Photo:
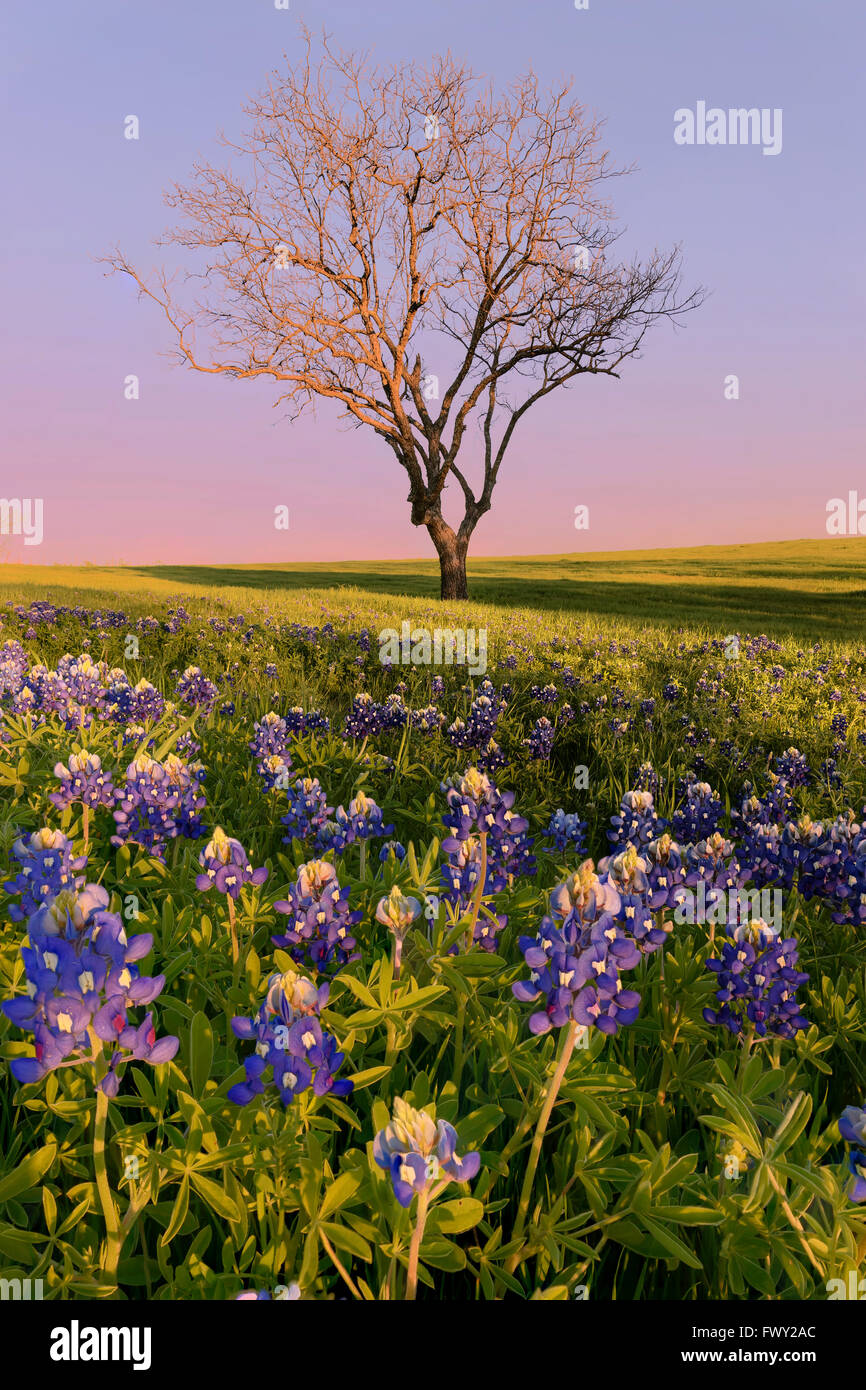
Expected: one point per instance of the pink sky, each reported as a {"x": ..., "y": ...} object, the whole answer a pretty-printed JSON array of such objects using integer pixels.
[{"x": 193, "y": 470}]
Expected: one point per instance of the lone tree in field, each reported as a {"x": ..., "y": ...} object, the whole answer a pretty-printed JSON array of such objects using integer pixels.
[{"x": 375, "y": 215}]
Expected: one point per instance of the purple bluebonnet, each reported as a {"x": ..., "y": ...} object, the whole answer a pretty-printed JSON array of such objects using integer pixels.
[
  {"x": 576, "y": 956},
  {"x": 567, "y": 831},
  {"x": 83, "y": 782},
  {"x": 308, "y": 809},
  {"x": 758, "y": 982},
  {"x": 637, "y": 822},
  {"x": 319, "y": 929},
  {"x": 852, "y": 1127},
  {"x": 45, "y": 864},
  {"x": 290, "y": 1041},
  {"x": 81, "y": 981},
  {"x": 418, "y": 1152},
  {"x": 196, "y": 691},
  {"x": 540, "y": 741},
  {"x": 476, "y": 806},
  {"x": 365, "y": 819},
  {"x": 158, "y": 802},
  {"x": 697, "y": 814},
  {"x": 226, "y": 866}
]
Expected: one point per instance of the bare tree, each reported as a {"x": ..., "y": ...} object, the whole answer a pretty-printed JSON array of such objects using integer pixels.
[{"x": 377, "y": 214}]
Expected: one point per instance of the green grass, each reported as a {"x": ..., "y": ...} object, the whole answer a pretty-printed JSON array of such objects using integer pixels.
[{"x": 805, "y": 589}]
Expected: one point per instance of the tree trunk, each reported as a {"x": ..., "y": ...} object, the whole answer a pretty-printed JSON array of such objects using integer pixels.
[{"x": 451, "y": 550}]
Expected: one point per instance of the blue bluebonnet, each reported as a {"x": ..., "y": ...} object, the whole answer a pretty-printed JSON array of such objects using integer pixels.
[
  {"x": 83, "y": 781},
  {"x": 319, "y": 929},
  {"x": 45, "y": 863},
  {"x": 291, "y": 1042},
  {"x": 308, "y": 809},
  {"x": 418, "y": 1152},
  {"x": 226, "y": 866},
  {"x": 81, "y": 981},
  {"x": 758, "y": 982},
  {"x": 698, "y": 813},
  {"x": 852, "y": 1127},
  {"x": 637, "y": 821},
  {"x": 567, "y": 831}
]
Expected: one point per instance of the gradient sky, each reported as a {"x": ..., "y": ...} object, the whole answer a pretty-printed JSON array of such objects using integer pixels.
[{"x": 193, "y": 470}]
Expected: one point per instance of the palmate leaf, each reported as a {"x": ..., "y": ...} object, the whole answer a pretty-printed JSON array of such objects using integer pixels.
[{"x": 29, "y": 1172}]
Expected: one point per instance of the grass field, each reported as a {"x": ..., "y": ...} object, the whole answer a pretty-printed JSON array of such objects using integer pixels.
[
  {"x": 809, "y": 589},
  {"x": 622, "y": 1136}
]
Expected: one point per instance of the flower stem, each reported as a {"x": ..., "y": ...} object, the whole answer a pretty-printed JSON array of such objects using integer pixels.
[
  {"x": 363, "y": 869},
  {"x": 479, "y": 892},
  {"x": 233, "y": 929},
  {"x": 113, "y": 1232},
  {"x": 569, "y": 1038},
  {"x": 414, "y": 1248}
]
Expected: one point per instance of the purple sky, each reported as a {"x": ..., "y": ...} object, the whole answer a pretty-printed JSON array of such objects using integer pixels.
[{"x": 193, "y": 470}]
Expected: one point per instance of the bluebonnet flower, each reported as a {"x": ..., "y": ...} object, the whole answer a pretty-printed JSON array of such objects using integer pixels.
[
  {"x": 418, "y": 1152},
  {"x": 713, "y": 862},
  {"x": 270, "y": 735},
  {"x": 758, "y": 982},
  {"x": 574, "y": 970},
  {"x": 540, "y": 741},
  {"x": 291, "y": 1042},
  {"x": 45, "y": 865},
  {"x": 158, "y": 802},
  {"x": 666, "y": 873},
  {"x": 319, "y": 930},
  {"x": 627, "y": 871},
  {"x": 392, "y": 847},
  {"x": 428, "y": 720},
  {"x": 81, "y": 980},
  {"x": 567, "y": 831},
  {"x": 196, "y": 691},
  {"x": 147, "y": 703},
  {"x": 793, "y": 768},
  {"x": 698, "y": 813},
  {"x": 226, "y": 866},
  {"x": 852, "y": 1127},
  {"x": 308, "y": 809},
  {"x": 275, "y": 771},
  {"x": 637, "y": 822},
  {"x": 366, "y": 820},
  {"x": 83, "y": 782}
]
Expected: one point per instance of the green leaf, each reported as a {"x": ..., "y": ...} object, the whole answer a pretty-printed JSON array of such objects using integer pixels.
[
  {"x": 347, "y": 1240},
  {"x": 216, "y": 1197},
  {"x": 338, "y": 1193},
  {"x": 28, "y": 1173},
  {"x": 369, "y": 1077},
  {"x": 178, "y": 1213},
  {"x": 459, "y": 1215},
  {"x": 669, "y": 1241},
  {"x": 201, "y": 1053}
]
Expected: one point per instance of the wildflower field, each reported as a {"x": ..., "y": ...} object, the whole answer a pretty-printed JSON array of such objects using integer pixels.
[{"x": 325, "y": 978}]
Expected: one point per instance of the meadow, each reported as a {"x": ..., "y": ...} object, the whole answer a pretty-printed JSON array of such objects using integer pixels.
[{"x": 332, "y": 979}]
